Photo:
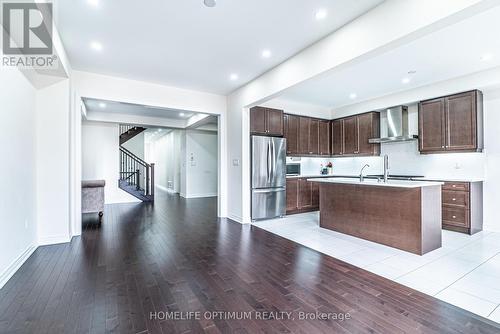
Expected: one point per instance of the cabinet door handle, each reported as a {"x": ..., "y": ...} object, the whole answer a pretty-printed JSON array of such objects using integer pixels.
[
  {"x": 454, "y": 186},
  {"x": 453, "y": 199},
  {"x": 454, "y": 217},
  {"x": 442, "y": 146}
]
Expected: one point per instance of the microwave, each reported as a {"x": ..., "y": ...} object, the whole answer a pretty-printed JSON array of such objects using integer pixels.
[{"x": 293, "y": 169}]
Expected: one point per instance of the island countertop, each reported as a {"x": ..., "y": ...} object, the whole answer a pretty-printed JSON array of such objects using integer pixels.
[{"x": 374, "y": 182}]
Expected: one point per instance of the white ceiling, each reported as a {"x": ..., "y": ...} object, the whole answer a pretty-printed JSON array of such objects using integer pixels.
[
  {"x": 451, "y": 52},
  {"x": 94, "y": 105},
  {"x": 185, "y": 44}
]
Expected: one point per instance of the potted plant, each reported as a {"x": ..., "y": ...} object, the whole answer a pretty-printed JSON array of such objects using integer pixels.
[{"x": 329, "y": 167}]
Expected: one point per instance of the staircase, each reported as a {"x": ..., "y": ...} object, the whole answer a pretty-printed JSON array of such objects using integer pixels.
[{"x": 136, "y": 175}]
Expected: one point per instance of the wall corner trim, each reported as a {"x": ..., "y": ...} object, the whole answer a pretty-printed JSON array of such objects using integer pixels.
[{"x": 14, "y": 267}]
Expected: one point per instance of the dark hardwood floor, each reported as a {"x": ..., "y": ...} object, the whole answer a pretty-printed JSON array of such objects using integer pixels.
[{"x": 176, "y": 256}]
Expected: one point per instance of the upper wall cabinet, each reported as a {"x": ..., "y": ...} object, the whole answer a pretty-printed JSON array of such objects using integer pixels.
[
  {"x": 266, "y": 121},
  {"x": 451, "y": 124},
  {"x": 292, "y": 134},
  {"x": 307, "y": 136},
  {"x": 350, "y": 135}
]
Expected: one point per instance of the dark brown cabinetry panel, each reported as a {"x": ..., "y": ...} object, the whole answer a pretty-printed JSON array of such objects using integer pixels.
[
  {"x": 314, "y": 137},
  {"x": 305, "y": 194},
  {"x": 315, "y": 195},
  {"x": 431, "y": 127},
  {"x": 266, "y": 121},
  {"x": 462, "y": 206},
  {"x": 351, "y": 131},
  {"x": 301, "y": 196},
  {"x": 369, "y": 127},
  {"x": 275, "y": 122},
  {"x": 350, "y": 135},
  {"x": 451, "y": 124},
  {"x": 338, "y": 137},
  {"x": 292, "y": 193},
  {"x": 461, "y": 122},
  {"x": 304, "y": 127},
  {"x": 292, "y": 134},
  {"x": 258, "y": 120},
  {"x": 324, "y": 138}
]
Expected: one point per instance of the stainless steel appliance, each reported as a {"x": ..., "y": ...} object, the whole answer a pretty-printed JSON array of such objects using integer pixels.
[
  {"x": 394, "y": 126},
  {"x": 268, "y": 177},
  {"x": 293, "y": 169}
]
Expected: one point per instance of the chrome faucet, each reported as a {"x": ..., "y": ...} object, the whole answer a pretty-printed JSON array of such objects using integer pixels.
[
  {"x": 361, "y": 177},
  {"x": 386, "y": 168}
]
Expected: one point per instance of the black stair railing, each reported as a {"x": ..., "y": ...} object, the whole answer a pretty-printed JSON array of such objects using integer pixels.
[
  {"x": 136, "y": 172},
  {"x": 125, "y": 128}
]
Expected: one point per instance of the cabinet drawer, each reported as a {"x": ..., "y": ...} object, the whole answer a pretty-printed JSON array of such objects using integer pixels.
[
  {"x": 458, "y": 198},
  {"x": 462, "y": 186},
  {"x": 455, "y": 216}
]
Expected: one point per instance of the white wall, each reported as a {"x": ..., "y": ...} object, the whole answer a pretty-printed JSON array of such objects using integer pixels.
[
  {"x": 17, "y": 149},
  {"x": 101, "y": 159},
  {"x": 373, "y": 33},
  {"x": 200, "y": 163},
  {"x": 165, "y": 153},
  {"x": 53, "y": 105},
  {"x": 136, "y": 145}
]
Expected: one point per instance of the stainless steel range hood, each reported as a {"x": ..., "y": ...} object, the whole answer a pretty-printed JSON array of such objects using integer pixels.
[{"x": 394, "y": 126}]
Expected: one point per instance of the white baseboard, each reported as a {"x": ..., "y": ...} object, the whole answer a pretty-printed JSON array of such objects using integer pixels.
[
  {"x": 200, "y": 195},
  {"x": 168, "y": 190},
  {"x": 11, "y": 270},
  {"x": 236, "y": 218},
  {"x": 58, "y": 239}
]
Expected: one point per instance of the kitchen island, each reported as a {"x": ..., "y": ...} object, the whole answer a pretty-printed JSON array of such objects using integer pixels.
[{"x": 401, "y": 214}]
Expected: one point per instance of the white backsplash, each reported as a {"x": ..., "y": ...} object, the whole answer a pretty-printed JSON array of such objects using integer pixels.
[{"x": 405, "y": 159}]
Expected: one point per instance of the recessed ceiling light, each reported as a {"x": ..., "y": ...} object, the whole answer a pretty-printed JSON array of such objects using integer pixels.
[
  {"x": 182, "y": 114},
  {"x": 320, "y": 14},
  {"x": 210, "y": 3},
  {"x": 352, "y": 96},
  {"x": 233, "y": 77},
  {"x": 96, "y": 46},
  {"x": 94, "y": 3},
  {"x": 266, "y": 53},
  {"x": 486, "y": 56},
  {"x": 405, "y": 80},
  {"x": 102, "y": 105}
]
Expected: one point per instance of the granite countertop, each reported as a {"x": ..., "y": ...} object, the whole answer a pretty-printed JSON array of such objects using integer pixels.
[{"x": 372, "y": 182}]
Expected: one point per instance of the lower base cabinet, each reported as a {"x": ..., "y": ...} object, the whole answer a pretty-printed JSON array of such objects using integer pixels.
[
  {"x": 301, "y": 196},
  {"x": 462, "y": 206}
]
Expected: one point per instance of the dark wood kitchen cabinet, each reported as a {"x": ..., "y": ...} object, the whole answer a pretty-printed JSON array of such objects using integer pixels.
[
  {"x": 266, "y": 121},
  {"x": 324, "y": 138},
  {"x": 337, "y": 137},
  {"x": 351, "y": 132},
  {"x": 291, "y": 134},
  {"x": 462, "y": 206},
  {"x": 350, "y": 135},
  {"x": 368, "y": 127},
  {"x": 452, "y": 123},
  {"x": 308, "y": 136},
  {"x": 292, "y": 193},
  {"x": 301, "y": 195}
]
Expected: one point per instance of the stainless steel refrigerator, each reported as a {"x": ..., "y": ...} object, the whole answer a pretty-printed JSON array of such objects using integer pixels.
[{"x": 268, "y": 177}]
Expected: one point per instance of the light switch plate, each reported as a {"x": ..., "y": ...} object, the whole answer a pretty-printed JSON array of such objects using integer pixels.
[{"x": 236, "y": 162}]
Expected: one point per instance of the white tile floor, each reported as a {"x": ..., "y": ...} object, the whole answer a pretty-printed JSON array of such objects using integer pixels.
[{"x": 464, "y": 272}]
